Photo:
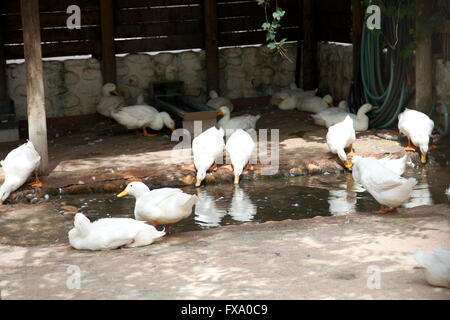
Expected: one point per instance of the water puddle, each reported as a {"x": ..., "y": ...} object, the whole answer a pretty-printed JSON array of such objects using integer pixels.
[
  {"x": 219, "y": 205},
  {"x": 273, "y": 199}
]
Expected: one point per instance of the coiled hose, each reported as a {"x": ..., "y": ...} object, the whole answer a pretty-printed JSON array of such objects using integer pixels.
[{"x": 368, "y": 86}]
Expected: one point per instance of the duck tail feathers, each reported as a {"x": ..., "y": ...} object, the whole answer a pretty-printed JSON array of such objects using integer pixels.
[
  {"x": 192, "y": 200},
  {"x": 82, "y": 224},
  {"x": 424, "y": 259}
]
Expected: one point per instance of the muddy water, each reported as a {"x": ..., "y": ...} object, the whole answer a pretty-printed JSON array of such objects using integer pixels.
[
  {"x": 272, "y": 199},
  {"x": 256, "y": 201}
]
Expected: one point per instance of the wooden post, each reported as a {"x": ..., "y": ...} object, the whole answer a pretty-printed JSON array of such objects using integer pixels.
[
  {"x": 37, "y": 126},
  {"x": 108, "y": 50},
  {"x": 298, "y": 61},
  {"x": 2, "y": 65},
  {"x": 424, "y": 63},
  {"x": 211, "y": 46},
  {"x": 357, "y": 20},
  {"x": 309, "y": 54},
  {"x": 6, "y": 106}
]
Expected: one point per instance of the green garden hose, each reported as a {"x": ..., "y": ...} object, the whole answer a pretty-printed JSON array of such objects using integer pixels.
[{"x": 390, "y": 98}]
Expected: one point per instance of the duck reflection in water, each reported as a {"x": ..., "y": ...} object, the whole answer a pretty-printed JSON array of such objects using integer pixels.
[
  {"x": 242, "y": 208},
  {"x": 208, "y": 211},
  {"x": 343, "y": 199}
]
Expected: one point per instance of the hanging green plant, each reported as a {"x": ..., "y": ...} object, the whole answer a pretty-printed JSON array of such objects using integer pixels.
[{"x": 270, "y": 27}]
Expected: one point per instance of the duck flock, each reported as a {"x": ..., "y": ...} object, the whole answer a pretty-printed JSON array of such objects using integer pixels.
[{"x": 381, "y": 178}]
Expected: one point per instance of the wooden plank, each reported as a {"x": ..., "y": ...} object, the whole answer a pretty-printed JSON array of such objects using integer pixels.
[
  {"x": 13, "y": 6},
  {"x": 59, "y": 34},
  {"x": 160, "y": 28},
  {"x": 158, "y": 14},
  {"x": 57, "y": 49},
  {"x": 37, "y": 126},
  {"x": 211, "y": 46},
  {"x": 107, "y": 40},
  {"x": 159, "y": 44},
  {"x": 50, "y": 20},
  {"x": 334, "y": 7},
  {"x": 250, "y": 23},
  {"x": 251, "y": 8},
  {"x": 254, "y": 37},
  {"x": 119, "y": 4}
]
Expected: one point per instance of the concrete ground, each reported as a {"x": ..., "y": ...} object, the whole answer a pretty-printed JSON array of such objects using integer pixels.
[{"x": 340, "y": 257}]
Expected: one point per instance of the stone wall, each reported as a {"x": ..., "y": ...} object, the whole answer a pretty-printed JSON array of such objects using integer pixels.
[
  {"x": 73, "y": 86},
  {"x": 335, "y": 69},
  {"x": 442, "y": 80}
]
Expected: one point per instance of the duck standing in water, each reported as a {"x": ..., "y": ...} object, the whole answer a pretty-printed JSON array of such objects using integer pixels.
[{"x": 159, "y": 206}]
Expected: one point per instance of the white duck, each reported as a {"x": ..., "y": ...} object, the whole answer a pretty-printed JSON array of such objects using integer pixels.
[
  {"x": 396, "y": 165},
  {"x": 229, "y": 125},
  {"x": 386, "y": 186},
  {"x": 319, "y": 118},
  {"x": 360, "y": 120},
  {"x": 240, "y": 146},
  {"x": 289, "y": 99},
  {"x": 216, "y": 102},
  {"x": 437, "y": 265},
  {"x": 340, "y": 136},
  {"x": 142, "y": 116},
  {"x": 110, "y": 100},
  {"x": 292, "y": 89},
  {"x": 207, "y": 147},
  {"x": 315, "y": 104},
  {"x": 417, "y": 126},
  {"x": 111, "y": 233},
  {"x": 159, "y": 206},
  {"x": 17, "y": 166}
]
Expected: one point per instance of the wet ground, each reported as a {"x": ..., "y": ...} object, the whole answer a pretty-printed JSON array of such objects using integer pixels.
[
  {"x": 277, "y": 253},
  {"x": 220, "y": 205}
]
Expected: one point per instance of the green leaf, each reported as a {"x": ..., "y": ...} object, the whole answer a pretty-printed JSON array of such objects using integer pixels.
[
  {"x": 270, "y": 36},
  {"x": 271, "y": 45},
  {"x": 278, "y": 14},
  {"x": 266, "y": 25}
]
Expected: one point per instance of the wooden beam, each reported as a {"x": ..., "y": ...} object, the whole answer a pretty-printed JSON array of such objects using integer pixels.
[
  {"x": 309, "y": 50},
  {"x": 37, "y": 126},
  {"x": 298, "y": 60},
  {"x": 2, "y": 64},
  {"x": 357, "y": 20},
  {"x": 211, "y": 46},
  {"x": 424, "y": 63},
  {"x": 108, "y": 49}
]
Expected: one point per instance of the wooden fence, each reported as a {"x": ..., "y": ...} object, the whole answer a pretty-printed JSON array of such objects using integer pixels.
[{"x": 158, "y": 25}]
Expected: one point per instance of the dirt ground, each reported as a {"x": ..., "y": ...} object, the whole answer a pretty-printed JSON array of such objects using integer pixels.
[{"x": 355, "y": 256}]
